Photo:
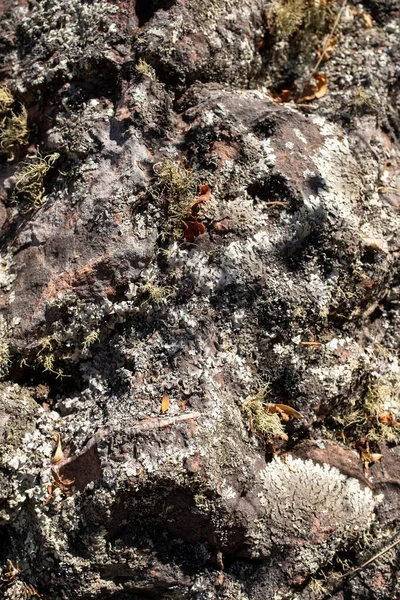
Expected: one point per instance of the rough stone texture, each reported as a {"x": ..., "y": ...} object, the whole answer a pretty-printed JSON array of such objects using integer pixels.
[{"x": 294, "y": 283}]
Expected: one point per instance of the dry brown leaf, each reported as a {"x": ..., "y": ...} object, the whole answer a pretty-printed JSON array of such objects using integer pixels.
[
  {"x": 388, "y": 419},
  {"x": 315, "y": 91},
  {"x": 322, "y": 85},
  {"x": 58, "y": 454},
  {"x": 366, "y": 17},
  {"x": 165, "y": 404},
  {"x": 368, "y": 458},
  {"x": 284, "y": 411},
  {"x": 64, "y": 484},
  {"x": 283, "y": 96}
]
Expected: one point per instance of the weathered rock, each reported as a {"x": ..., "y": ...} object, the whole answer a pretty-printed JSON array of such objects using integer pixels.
[{"x": 150, "y": 349}]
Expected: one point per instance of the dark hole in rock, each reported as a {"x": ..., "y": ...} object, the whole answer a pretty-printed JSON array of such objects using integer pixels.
[
  {"x": 266, "y": 126},
  {"x": 316, "y": 183},
  {"x": 376, "y": 314},
  {"x": 145, "y": 9},
  {"x": 273, "y": 189},
  {"x": 5, "y": 544},
  {"x": 83, "y": 469},
  {"x": 383, "y": 10}
]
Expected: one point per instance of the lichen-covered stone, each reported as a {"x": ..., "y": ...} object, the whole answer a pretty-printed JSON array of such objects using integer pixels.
[{"x": 141, "y": 344}]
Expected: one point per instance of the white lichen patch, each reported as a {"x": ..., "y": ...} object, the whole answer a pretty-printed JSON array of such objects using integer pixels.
[
  {"x": 299, "y": 135},
  {"x": 307, "y": 501}
]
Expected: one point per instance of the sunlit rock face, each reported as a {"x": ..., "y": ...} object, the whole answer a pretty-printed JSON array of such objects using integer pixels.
[{"x": 199, "y": 303}]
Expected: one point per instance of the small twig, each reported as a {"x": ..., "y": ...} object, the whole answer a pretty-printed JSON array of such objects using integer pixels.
[
  {"x": 311, "y": 344},
  {"x": 354, "y": 571},
  {"x": 325, "y": 46},
  {"x": 329, "y": 36},
  {"x": 389, "y": 188},
  {"x": 159, "y": 422},
  {"x": 339, "y": 582},
  {"x": 350, "y": 574},
  {"x": 277, "y": 203}
]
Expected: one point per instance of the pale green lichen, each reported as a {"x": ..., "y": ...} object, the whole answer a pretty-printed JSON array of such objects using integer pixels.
[
  {"x": 30, "y": 179},
  {"x": 48, "y": 355},
  {"x": 13, "y": 124},
  {"x": 177, "y": 188},
  {"x": 367, "y": 419},
  {"x": 261, "y": 421},
  {"x": 143, "y": 68},
  {"x": 90, "y": 339},
  {"x": 151, "y": 294},
  {"x": 309, "y": 17}
]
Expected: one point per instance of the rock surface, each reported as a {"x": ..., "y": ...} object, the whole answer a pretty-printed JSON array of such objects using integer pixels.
[{"x": 201, "y": 254}]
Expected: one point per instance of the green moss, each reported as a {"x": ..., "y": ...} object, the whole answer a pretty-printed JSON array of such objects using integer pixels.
[
  {"x": 379, "y": 396},
  {"x": 365, "y": 418},
  {"x": 48, "y": 355},
  {"x": 177, "y": 188},
  {"x": 30, "y": 180},
  {"x": 154, "y": 294},
  {"x": 261, "y": 421},
  {"x": 90, "y": 339},
  {"x": 13, "y": 124},
  {"x": 143, "y": 68},
  {"x": 361, "y": 102},
  {"x": 306, "y": 17}
]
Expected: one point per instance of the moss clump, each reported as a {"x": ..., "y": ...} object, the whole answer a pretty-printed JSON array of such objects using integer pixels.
[
  {"x": 379, "y": 397},
  {"x": 371, "y": 418},
  {"x": 361, "y": 102},
  {"x": 48, "y": 355},
  {"x": 262, "y": 422},
  {"x": 178, "y": 188},
  {"x": 6, "y": 99},
  {"x": 154, "y": 294},
  {"x": 310, "y": 17},
  {"x": 13, "y": 124},
  {"x": 143, "y": 68},
  {"x": 90, "y": 339},
  {"x": 30, "y": 180}
]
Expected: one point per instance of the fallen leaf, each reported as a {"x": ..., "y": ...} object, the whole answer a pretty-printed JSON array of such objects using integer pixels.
[
  {"x": 205, "y": 194},
  {"x": 366, "y": 17},
  {"x": 322, "y": 85},
  {"x": 283, "y": 96},
  {"x": 64, "y": 484},
  {"x": 361, "y": 444},
  {"x": 388, "y": 419},
  {"x": 368, "y": 458},
  {"x": 315, "y": 91},
  {"x": 193, "y": 229},
  {"x": 58, "y": 454},
  {"x": 283, "y": 410},
  {"x": 49, "y": 495},
  {"x": 375, "y": 457},
  {"x": 165, "y": 404}
]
